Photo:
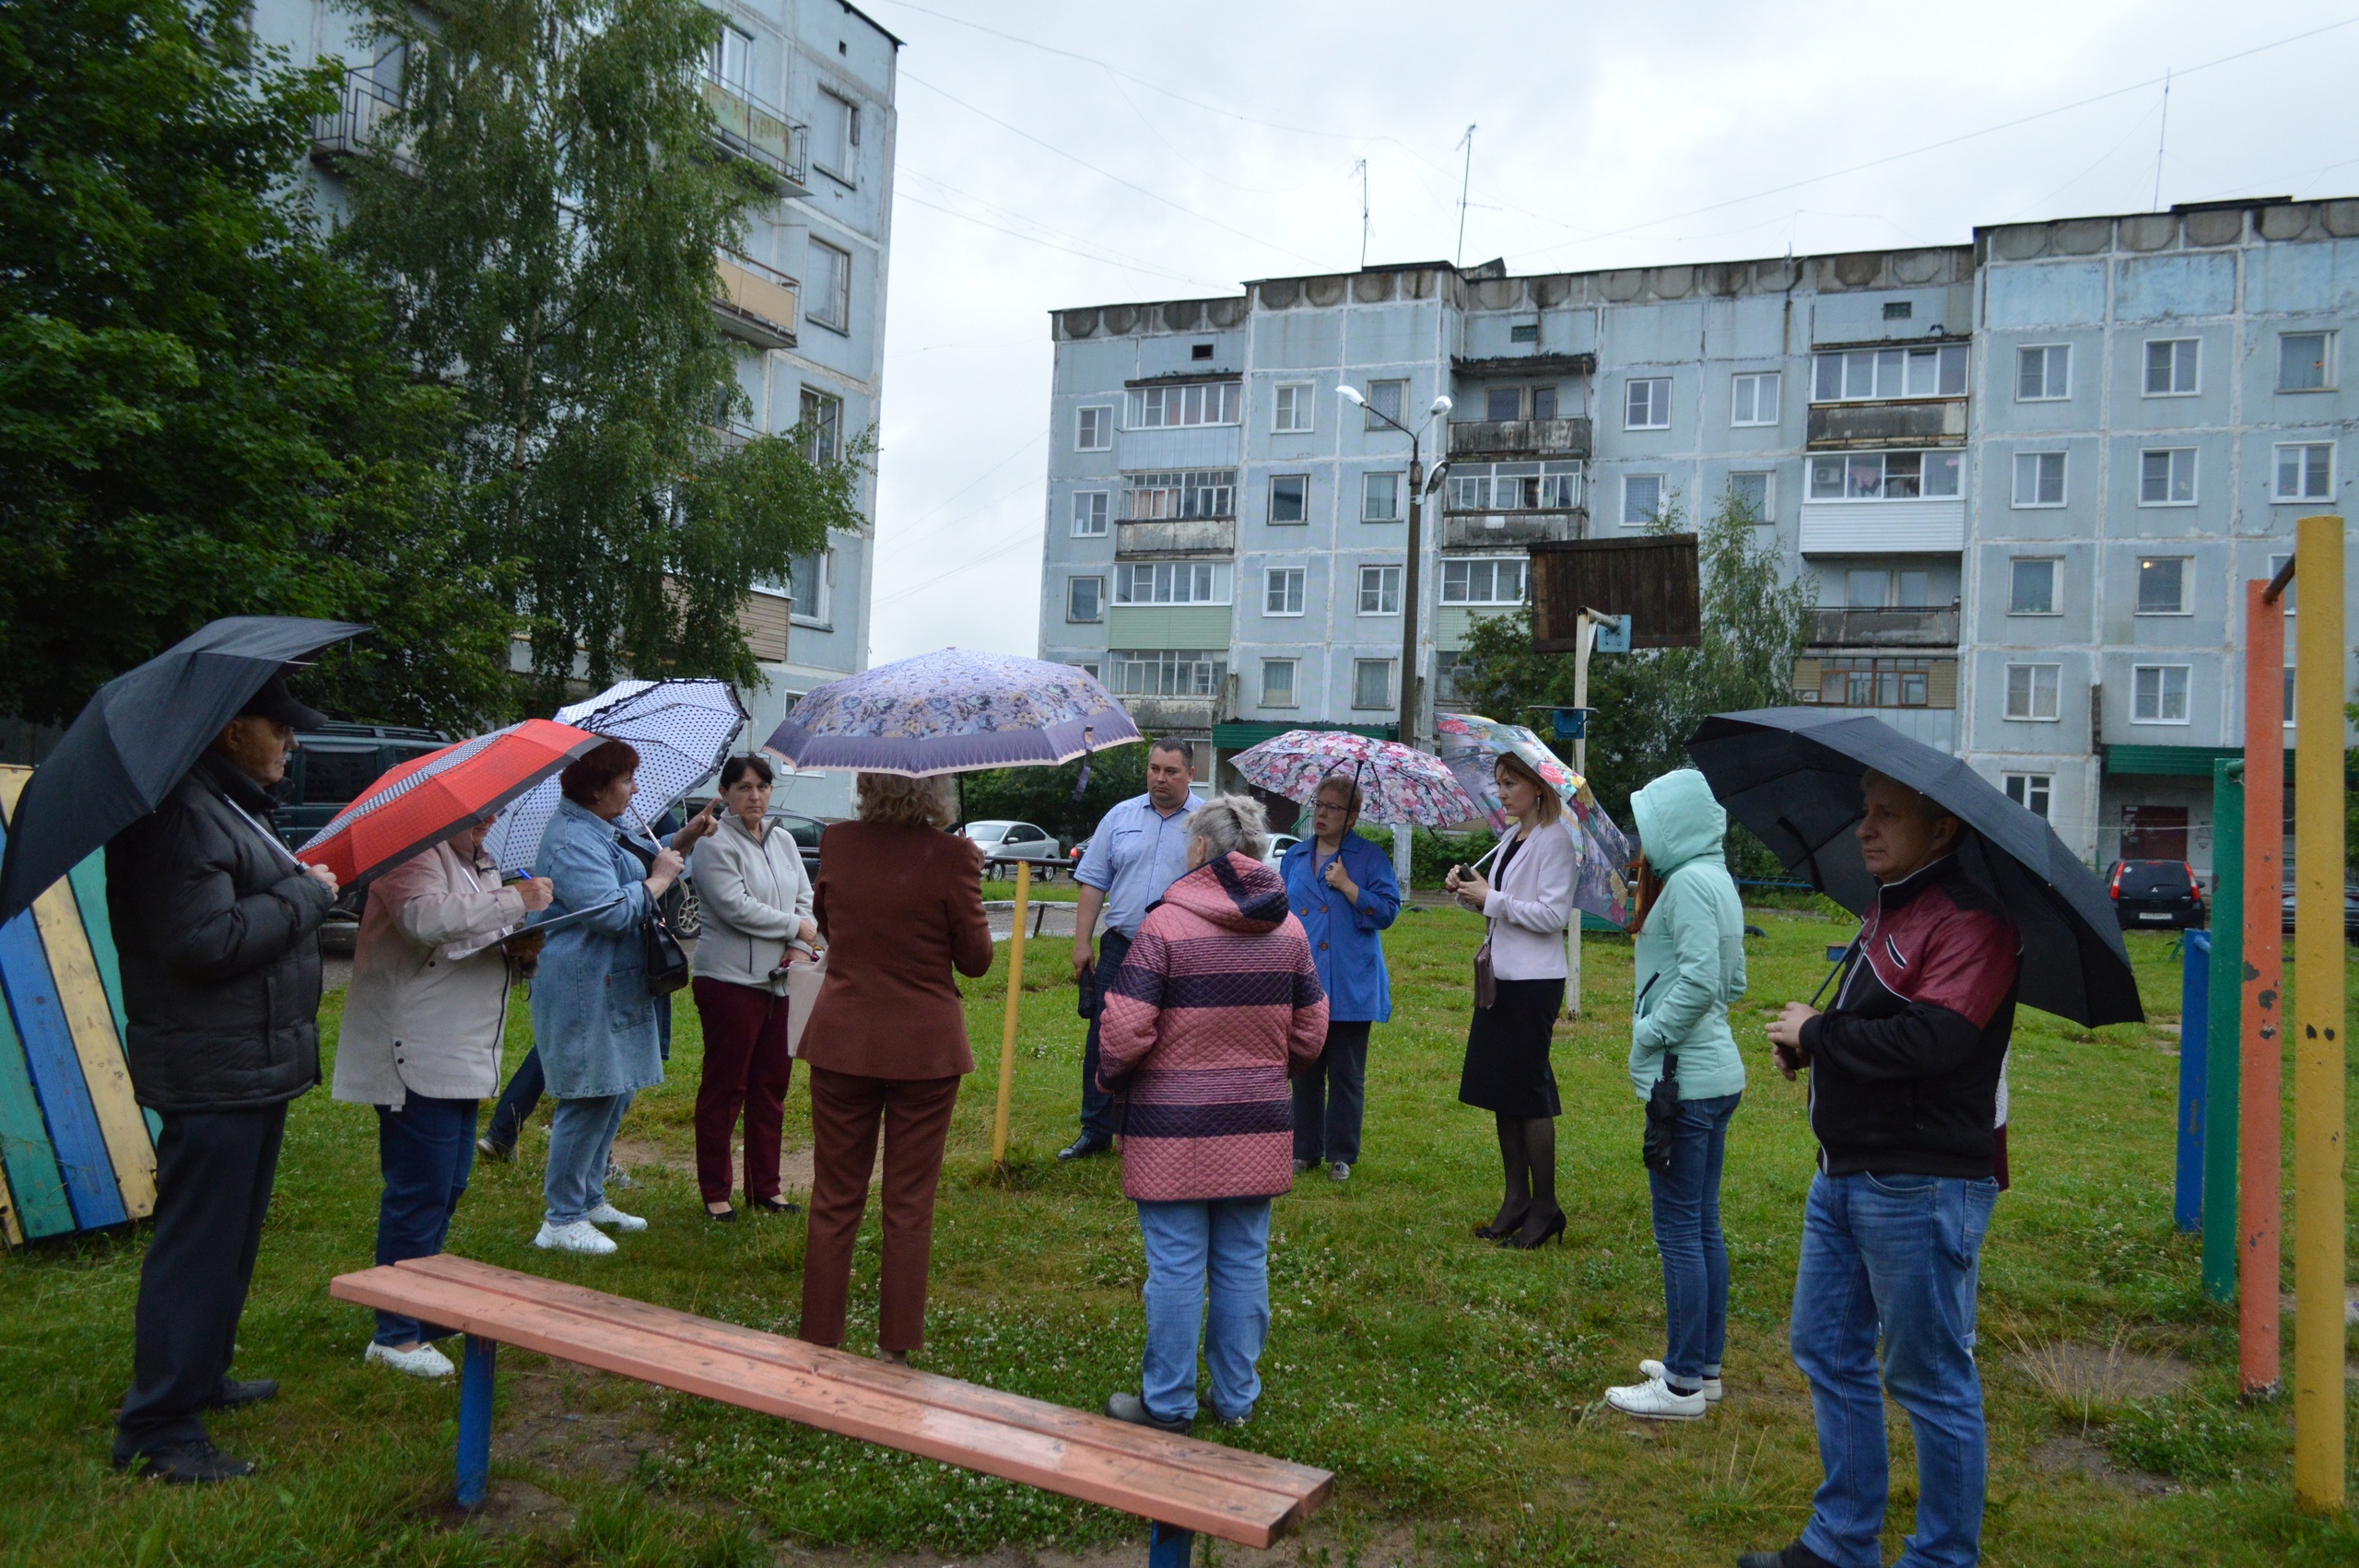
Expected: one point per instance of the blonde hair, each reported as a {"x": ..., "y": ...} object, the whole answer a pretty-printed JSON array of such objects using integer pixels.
[
  {"x": 1232, "y": 823},
  {"x": 1552, "y": 805},
  {"x": 910, "y": 803}
]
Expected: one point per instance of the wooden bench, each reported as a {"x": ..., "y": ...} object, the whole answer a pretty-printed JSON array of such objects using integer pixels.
[{"x": 1179, "y": 1484}]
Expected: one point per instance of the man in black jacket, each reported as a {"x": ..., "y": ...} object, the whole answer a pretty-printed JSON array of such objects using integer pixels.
[
  {"x": 1905, "y": 1072},
  {"x": 218, "y": 927}
]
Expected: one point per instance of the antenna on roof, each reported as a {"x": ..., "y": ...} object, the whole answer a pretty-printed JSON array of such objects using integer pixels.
[
  {"x": 1361, "y": 170},
  {"x": 2161, "y": 138},
  {"x": 1467, "y": 180}
]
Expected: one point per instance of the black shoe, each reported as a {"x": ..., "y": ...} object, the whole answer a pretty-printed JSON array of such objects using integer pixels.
[
  {"x": 188, "y": 1464},
  {"x": 235, "y": 1392},
  {"x": 777, "y": 1206},
  {"x": 725, "y": 1217},
  {"x": 1794, "y": 1556},
  {"x": 1536, "y": 1232},
  {"x": 491, "y": 1148},
  {"x": 1501, "y": 1226},
  {"x": 1131, "y": 1408},
  {"x": 1081, "y": 1148}
]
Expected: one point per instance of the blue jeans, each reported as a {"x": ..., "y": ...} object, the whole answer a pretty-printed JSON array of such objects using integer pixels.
[
  {"x": 425, "y": 1151},
  {"x": 582, "y": 1134},
  {"x": 1227, "y": 1242},
  {"x": 1687, "y": 1234},
  {"x": 1899, "y": 1252}
]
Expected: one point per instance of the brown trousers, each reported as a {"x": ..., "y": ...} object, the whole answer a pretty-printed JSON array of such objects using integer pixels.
[{"x": 845, "y": 1111}]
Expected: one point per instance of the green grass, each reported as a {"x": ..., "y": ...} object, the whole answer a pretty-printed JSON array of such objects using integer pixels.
[{"x": 1451, "y": 1386}]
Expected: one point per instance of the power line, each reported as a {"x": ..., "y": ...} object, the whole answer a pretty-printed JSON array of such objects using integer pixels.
[
  {"x": 1019, "y": 542},
  {"x": 1109, "y": 258},
  {"x": 962, "y": 490}
]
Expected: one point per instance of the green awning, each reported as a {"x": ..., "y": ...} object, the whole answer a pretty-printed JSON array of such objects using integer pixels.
[
  {"x": 2176, "y": 762},
  {"x": 1237, "y": 734}
]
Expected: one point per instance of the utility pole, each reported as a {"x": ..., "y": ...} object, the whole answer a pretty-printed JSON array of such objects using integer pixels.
[{"x": 1584, "y": 633}]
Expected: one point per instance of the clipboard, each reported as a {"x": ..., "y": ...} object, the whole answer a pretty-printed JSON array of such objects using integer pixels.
[{"x": 554, "y": 923}]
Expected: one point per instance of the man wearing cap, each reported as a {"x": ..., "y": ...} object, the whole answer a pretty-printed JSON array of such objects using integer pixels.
[{"x": 217, "y": 926}]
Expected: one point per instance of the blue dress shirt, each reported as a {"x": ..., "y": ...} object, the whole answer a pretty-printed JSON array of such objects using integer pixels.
[
  {"x": 1136, "y": 854},
  {"x": 1343, "y": 941}
]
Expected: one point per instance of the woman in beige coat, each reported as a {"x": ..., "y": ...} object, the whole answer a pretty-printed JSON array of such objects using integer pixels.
[{"x": 422, "y": 1027}]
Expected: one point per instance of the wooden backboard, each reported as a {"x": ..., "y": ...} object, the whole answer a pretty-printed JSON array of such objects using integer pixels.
[{"x": 1651, "y": 580}]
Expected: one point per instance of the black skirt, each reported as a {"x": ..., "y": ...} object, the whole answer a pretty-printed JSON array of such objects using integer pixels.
[{"x": 1507, "y": 1051}]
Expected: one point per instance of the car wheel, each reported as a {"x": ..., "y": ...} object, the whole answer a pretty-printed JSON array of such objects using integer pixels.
[{"x": 690, "y": 919}]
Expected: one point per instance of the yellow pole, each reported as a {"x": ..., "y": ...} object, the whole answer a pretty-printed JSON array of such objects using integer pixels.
[
  {"x": 1015, "y": 1005},
  {"x": 2318, "y": 1020}
]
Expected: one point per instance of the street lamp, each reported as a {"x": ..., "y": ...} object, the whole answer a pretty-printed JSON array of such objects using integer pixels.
[{"x": 1409, "y": 585}]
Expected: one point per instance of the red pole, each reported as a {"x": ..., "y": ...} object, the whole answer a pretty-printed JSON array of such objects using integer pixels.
[{"x": 2261, "y": 1104}]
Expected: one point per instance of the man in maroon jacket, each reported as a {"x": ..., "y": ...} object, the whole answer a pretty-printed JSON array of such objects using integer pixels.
[{"x": 1905, "y": 1072}]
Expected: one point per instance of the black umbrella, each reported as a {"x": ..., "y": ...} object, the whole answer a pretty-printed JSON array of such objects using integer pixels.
[
  {"x": 1792, "y": 776},
  {"x": 138, "y": 736}
]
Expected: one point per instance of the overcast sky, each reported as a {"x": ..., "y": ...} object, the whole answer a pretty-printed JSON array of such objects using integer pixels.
[{"x": 1057, "y": 153}]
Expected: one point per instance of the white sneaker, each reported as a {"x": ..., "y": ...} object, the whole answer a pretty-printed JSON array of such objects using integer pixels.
[
  {"x": 1652, "y": 1368},
  {"x": 1654, "y": 1400},
  {"x": 579, "y": 1236},
  {"x": 423, "y": 1362},
  {"x": 607, "y": 1214}
]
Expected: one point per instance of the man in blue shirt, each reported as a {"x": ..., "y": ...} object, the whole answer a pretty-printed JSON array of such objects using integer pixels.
[{"x": 1140, "y": 849}]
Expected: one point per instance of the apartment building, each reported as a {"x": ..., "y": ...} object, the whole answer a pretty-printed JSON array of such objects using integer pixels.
[
  {"x": 802, "y": 91},
  {"x": 1225, "y": 539}
]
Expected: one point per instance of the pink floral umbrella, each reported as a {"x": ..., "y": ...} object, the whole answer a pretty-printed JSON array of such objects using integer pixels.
[{"x": 1399, "y": 783}]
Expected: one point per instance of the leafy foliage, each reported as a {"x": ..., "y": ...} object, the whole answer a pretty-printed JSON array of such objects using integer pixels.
[{"x": 1043, "y": 796}]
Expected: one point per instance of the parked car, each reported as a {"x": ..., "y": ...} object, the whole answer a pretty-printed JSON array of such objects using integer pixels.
[
  {"x": 2349, "y": 911},
  {"x": 331, "y": 767},
  {"x": 805, "y": 831},
  {"x": 1018, "y": 842},
  {"x": 1279, "y": 843},
  {"x": 2151, "y": 894}
]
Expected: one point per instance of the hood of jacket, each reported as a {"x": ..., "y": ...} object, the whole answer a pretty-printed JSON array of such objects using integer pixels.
[
  {"x": 1236, "y": 892},
  {"x": 1678, "y": 821}
]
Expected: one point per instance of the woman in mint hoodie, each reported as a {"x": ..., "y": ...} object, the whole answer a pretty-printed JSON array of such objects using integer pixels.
[{"x": 1690, "y": 955}]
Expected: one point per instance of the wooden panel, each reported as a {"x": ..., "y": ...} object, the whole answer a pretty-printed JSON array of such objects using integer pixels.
[
  {"x": 1650, "y": 580},
  {"x": 36, "y": 1190},
  {"x": 106, "y": 1072},
  {"x": 1941, "y": 683},
  {"x": 766, "y": 620}
]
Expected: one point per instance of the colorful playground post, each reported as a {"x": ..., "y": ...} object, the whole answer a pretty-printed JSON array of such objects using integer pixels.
[
  {"x": 2221, "y": 1055},
  {"x": 2194, "y": 1041},
  {"x": 2262, "y": 1068}
]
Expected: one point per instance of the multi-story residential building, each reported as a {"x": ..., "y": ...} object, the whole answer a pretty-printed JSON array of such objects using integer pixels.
[
  {"x": 1225, "y": 539},
  {"x": 802, "y": 91}
]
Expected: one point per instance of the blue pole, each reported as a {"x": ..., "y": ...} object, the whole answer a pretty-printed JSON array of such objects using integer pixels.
[
  {"x": 1169, "y": 1547},
  {"x": 2194, "y": 1033},
  {"x": 475, "y": 1420}
]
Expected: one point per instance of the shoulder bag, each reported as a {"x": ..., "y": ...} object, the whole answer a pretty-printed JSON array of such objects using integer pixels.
[{"x": 666, "y": 960}]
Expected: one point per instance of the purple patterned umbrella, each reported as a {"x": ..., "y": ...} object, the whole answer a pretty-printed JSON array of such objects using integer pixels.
[
  {"x": 950, "y": 711},
  {"x": 1399, "y": 783}
]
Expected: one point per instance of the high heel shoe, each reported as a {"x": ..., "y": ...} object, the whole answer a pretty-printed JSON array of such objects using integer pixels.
[
  {"x": 1500, "y": 1230},
  {"x": 1525, "y": 1239}
]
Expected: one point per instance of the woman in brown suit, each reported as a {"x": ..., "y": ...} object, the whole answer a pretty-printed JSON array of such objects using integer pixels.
[{"x": 900, "y": 903}]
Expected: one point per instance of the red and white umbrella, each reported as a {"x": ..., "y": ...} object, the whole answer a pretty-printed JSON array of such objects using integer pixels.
[{"x": 431, "y": 797}]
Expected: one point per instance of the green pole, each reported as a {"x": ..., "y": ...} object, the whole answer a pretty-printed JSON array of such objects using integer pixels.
[{"x": 2221, "y": 1066}]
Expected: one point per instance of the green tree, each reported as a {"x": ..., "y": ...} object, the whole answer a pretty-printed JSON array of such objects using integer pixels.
[
  {"x": 1044, "y": 796},
  {"x": 544, "y": 213},
  {"x": 200, "y": 412}
]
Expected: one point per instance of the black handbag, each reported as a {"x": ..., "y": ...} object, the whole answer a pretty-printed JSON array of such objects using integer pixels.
[
  {"x": 666, "y": 961},
  {"x": 1663, "y": 1111}
]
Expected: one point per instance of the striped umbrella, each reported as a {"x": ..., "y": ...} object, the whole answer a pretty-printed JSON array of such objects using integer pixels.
[
  {"x": 431, "y": 797},
  {"x": 1399, "y": 783}
]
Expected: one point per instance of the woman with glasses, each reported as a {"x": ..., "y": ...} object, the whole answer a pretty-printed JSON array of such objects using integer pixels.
[{"x": 1342, "y": 890}]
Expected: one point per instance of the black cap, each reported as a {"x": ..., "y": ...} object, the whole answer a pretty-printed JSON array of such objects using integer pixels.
[{"x": 274, "y": 702}]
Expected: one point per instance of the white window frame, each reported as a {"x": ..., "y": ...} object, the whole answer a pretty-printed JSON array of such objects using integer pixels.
[
  {"x": 1360, "y": 665},
  {"x": 1073, "y": 586},
  {"x": 2161, "y": 692},
  {"x": 2055, "y": 565},
  {"x": 1377, "y": 581},
  {"x": 2146, "y": 367},
  {"x": 820, "y": 611},
  {"x": 1205, "y": 582},
  {"x": 1270, "y": 503},
  {"x": 2278, "y": 494},
  {"x": 1654, "y": 393},
  {"x": 2325, "y": 362},
  {"x": 1745, "y": 410},
  {"x": 1461, "y": 569},
  {"x": 1661, "y": 483},
  {"x": 2063, "y": 481},
  {"x": 1292, "y": 406},
  {"x": 1885, "y": 372},
  {"x": 1950, "y": 458},
  {"x": 1768, "y": 477},
  {"x": 839, "y": 167},
  {"x": 1293, "y": 667},
  {"x": 2170, "y": 476},
  {"x": 2048, "y": 353},
  {"x": 1393, "y": 390},
  {"x": 2030, "y": 713},
  {"x": 1092, "y": 513},
  {"x": 2186, "y": 597},
  {"x": 723, "y": 55},
  {"x": 831, "y": 308},
  {"x": 1185, "y": 495},
  {"x": 1281, "y": 586},
  {"x": 1104, "y": 424},
  {"x": 1217, "y": 401},
  {"x": 1368, "y": 485},
  {"x": 2036, "y": 792}
]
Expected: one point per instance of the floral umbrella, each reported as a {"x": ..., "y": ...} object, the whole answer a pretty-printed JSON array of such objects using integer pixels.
[
  {"x": 1400, "y": 783},
  {"x": 951, "y": 710},
  {"x": 1471, "y": 744}
]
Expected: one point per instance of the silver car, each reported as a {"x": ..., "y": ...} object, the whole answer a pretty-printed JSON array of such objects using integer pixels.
[{"x": 1018, "y": 842}]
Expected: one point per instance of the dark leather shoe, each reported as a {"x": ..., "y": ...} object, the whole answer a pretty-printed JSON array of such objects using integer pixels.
[
  {"x": 1794, "y": 1556},
  {"x": 188, "y": 1464},
  {"x": 235, "y": 1392},
  {"x": 1084, "y": 1146},
  {"x": 778, "y": 1206},
  {"x": 1131, "y": 1408}
]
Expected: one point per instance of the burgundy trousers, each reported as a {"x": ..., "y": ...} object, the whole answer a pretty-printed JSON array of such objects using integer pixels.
[
  {"x": 746, "y": 1067},
  {"x": 845, "y": 1112}
]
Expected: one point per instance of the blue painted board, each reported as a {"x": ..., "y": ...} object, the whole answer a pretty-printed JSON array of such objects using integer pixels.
[
  {"x": 56, "y": 1071},
  {"x": 33, "y": 1178}
]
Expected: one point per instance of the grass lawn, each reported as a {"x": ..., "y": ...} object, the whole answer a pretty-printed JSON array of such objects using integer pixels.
[{"x": 1453, "y": 1387}]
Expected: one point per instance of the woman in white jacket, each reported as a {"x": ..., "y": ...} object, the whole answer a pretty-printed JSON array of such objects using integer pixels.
[
  {"x": 1528, "y": 900},
  {"x": 422, "y": 1026},
  {"x": 757, "y": 906}
]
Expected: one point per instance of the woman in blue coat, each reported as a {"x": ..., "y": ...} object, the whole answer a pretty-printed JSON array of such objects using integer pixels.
[
  {"x": 1342, "y": 890},
  {"x": 592, "y": 1017}
]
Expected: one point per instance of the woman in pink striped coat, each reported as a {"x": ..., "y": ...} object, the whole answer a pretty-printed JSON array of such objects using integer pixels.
[{"x": 1217, "y": 1004}]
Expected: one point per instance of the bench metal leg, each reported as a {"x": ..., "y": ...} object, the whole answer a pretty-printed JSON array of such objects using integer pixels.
[
  {"x": 1170, "y": 1547},
  {"x": 475, "y": 1420}
]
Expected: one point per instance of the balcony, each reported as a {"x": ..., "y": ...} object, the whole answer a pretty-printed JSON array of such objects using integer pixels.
[
  {"x": 358, "y": 125},
  {"x": 1882, "y": 528},
  {"x": 1834, "y": 425},
  {"x": 747, "y": 127},
  {"x": 1483, "y": 531},
  {"x": 1519, "y": 437},
  {"x": 755, "y": 303},
  {"x": 1169, "y": 715},
  {"x": 1178, "y": 536},
  {"x": 1884, "y": 628}
]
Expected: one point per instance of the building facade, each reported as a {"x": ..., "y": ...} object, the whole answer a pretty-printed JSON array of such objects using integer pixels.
[
  {"x": 804, "y": 92},
  {"x": 1225, "y": 538}
]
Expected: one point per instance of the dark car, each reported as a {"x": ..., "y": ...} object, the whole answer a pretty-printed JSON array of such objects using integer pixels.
[
  {"x": 805, "y": 831},
  {"x": 2155, "y": 895},
  {"x": 332, "y": 765},
  {"x": 2349, "y": 911}
]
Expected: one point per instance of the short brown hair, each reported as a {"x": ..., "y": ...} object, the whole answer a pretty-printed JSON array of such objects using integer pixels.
[
  {"x": 1552, "y": 805},
  {"x": 910, "y": 803},
  {"x": 586, "y": 777},
  {"x": 1347, "y": 784}
]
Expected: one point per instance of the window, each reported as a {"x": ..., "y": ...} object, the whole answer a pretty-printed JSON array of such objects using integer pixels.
[
  {"x": 2044, "y": 374},
  {"x": 1503, "y": 402},
  {"x": 2162, "y": 585},
  {"x": 1514, "y": 486},
  {"x": 1864, "y": 589},
  {"x": 2304, "y": 472},
  {"x": 2158, "y": 694},
  {"x": 810, "y": 582},
  {"x": 2031, "y": 690},
  {"x": 1282, "y": 591},
  {"x": 1646, "y": 404},
  {"x": 1755, "y": 494},
  {"x": 823, "y": 426},
  {"x": 2039, "y": 479},
  {"x": 1289, "y": 498},
  {"x": 1277, "y": 682},
  {"x": 2030, "y": 790},
  {"x": 1290, "y": 414},
  {"x": 1899, "y": 309},
  {"x": 1885, "y": 476},
  {"x": 1199, "y": 351},
  {"x": 1641, "y": 498},
  {"x": 1166, "y": 672},
  {"x": 1544, "y": 403},
  {"x": 732, "y": 59},
  {"x": 1457, "y": 677},
  {"x": 1861, "y": 374},
  {"x": 2166, "y": 477},
  {"x": 1524, "y": 332},
  {"x": 1371, "y": 682},
  {"x": 1384, "y": 398},
  {"x": 1171, "y": 583},
  {"x": 1089, "y": 512},
  {"x": 2303, "y": 361},
  {"x": 1873, "y": 682},
  {"x": 1500, "y": 581},
  {"x": 1379, "y": 498},
  {"x": 1089, "y": 670},
  {"x": 1085, "y": 599},
  {"x": 1094, "y": 429},
  {"x": 2032, "y": 586},
  {"x": 1197, "y": 493},
  {"x": 1197, "y": 402},
  {"x": 830, "y": 298},
  {"x": 2171, "y": 366},
  {"x": 1379, "y": 590},
  {"x": 1915, "y": 589},
  {"x": 835, "y": 136},
  {"x": 1754, "y": 399}
]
